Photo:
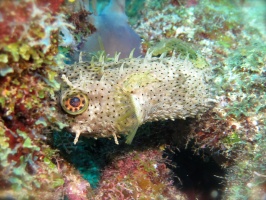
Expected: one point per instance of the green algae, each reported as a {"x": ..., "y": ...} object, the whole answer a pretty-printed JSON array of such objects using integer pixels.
[
  {"x": 3, "y": 59},
  {"x": 182, "y": 49},
  {"x": 174, "y": 44}
]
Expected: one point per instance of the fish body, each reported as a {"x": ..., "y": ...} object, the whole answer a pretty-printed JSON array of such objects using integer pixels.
[
  {"x": 113, "y": 33},
  {"x": 124, "y": 94}
]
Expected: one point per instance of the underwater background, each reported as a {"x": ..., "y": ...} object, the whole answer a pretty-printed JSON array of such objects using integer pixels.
[{"x": 217, "y": 154}]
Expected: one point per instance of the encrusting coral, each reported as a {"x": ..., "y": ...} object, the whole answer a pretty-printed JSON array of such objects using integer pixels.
[{"x": 138, "y": 175}]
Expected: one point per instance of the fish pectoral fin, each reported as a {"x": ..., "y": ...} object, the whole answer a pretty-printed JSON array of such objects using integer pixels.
[
  {"x": 76, "y": 137},
  {"x": 131, "y": 135}
]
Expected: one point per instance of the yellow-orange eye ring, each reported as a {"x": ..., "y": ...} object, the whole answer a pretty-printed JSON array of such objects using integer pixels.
[{"x": 75, "y": 103}]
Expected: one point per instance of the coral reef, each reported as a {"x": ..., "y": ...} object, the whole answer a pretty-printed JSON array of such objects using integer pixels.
[
  {"x": 235, "y": 46},
  {"x": 138, "y": 175},
  {"x": 29, "y": 38},
  {"x": 37, "y": 163}
]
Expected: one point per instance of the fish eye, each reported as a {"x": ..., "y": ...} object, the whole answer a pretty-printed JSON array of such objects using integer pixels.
[{"x": 75, "y": 103}]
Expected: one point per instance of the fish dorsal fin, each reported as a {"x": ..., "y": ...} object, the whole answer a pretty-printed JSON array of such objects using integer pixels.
[
  {"x": 116, "y": 10},
  {"x": 115, "y": 6}
]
